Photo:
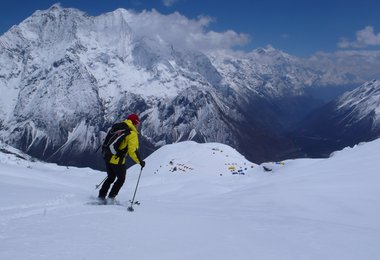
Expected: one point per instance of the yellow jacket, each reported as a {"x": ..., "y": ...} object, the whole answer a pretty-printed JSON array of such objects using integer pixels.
[{"x": 132, "y": 142}]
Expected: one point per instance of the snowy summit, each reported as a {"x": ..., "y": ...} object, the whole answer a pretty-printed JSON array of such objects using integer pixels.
[{"x": 66, "y": 77}]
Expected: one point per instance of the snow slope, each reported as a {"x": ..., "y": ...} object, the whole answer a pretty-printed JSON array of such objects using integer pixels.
[{"x": 198, "y": 201}]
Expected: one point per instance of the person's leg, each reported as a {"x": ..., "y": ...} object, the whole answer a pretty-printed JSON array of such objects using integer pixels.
[
  {"x": 121, "y": 171},
  {"x": 111, "y": 176}
]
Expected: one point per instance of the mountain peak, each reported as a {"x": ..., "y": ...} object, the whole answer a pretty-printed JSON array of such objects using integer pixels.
[
  {"x": 55, "y": 10},
  {"x": 65, "y": 77},
  {"x": 55, "y": 7}
]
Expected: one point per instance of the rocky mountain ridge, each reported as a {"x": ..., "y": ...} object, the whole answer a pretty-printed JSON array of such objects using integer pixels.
[{"x": 66, "y": 77}]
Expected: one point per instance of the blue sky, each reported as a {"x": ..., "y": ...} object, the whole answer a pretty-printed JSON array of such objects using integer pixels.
[{"x": 298, "y": 27}]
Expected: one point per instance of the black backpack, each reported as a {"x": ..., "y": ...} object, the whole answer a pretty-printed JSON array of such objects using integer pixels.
[{"x": 113, "y": 139}]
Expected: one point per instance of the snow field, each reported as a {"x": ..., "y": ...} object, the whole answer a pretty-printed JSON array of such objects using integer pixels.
[{"x": 302, "y": 209}]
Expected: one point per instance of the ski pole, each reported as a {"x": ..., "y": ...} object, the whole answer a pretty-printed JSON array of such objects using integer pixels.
[
  {"x": 130, "y": 208},
  {"x": 97, "y": 186},
  {"x": 98, "y": 148}
]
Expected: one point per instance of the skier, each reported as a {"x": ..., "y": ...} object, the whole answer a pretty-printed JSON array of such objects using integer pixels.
[{"x": 126, "y": 144}]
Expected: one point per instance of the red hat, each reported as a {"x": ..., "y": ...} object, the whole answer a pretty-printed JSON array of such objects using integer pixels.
[{"x": 134, "y": 118}]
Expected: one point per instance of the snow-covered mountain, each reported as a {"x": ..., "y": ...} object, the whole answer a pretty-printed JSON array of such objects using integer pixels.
[
  {"x": 362, "y": 103},
  {"x": 65, "y": 77},
  {"x": 197, "y": 201},
  {"x": 351, "y": 118}
]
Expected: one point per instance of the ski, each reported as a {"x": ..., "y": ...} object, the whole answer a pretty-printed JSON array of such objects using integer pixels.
[{"x": 105, "y": 202}]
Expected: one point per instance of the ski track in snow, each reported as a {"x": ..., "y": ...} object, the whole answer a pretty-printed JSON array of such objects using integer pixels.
[{"x": 26, "y": 210}]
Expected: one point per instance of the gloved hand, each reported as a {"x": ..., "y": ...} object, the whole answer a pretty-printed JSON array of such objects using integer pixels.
[{"x": 142, "y": 163}]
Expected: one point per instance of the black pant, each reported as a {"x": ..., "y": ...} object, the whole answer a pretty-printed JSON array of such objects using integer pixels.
[{"x": 113, "y": 171}]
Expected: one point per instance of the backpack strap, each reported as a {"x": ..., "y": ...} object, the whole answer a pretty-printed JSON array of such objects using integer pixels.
[{"x": 114, "y": 146}]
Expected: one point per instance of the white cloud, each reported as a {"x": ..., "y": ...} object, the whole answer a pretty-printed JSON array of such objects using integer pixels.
[
  {"x": 182, "y": 32},
  {"x": 364, "y": 38},
  {"x": 169, "y": 3}
]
